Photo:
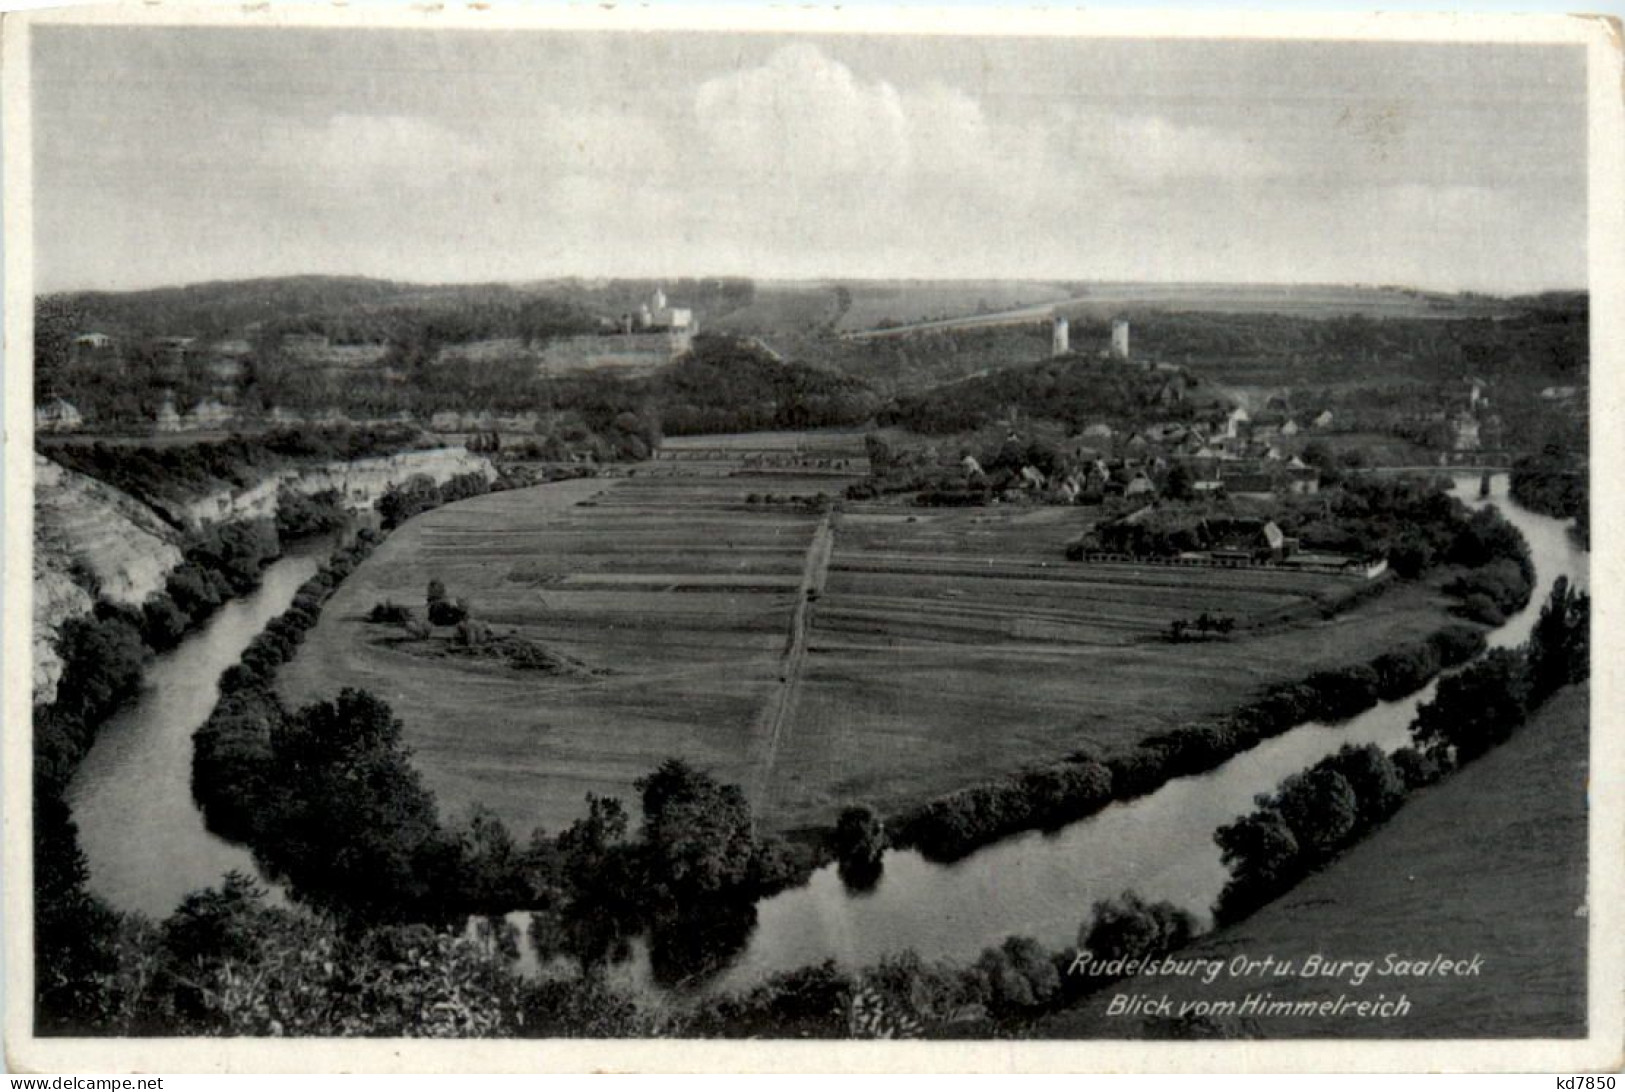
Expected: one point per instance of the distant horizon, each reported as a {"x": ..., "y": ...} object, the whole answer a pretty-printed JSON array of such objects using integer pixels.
[{"x": 584, "y": 278}]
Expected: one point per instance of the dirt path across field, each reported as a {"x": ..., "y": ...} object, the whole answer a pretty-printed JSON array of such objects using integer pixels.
[{"x": 781, "y": 706}]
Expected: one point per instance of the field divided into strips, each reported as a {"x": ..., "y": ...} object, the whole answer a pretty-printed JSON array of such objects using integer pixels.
[
  {"x": 670, "y": 585},
  {"x": 883, "y": 654},
  {"x": 952, "y": 645}
]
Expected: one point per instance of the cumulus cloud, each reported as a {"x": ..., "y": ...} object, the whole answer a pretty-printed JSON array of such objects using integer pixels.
[
  {"x": 802, "y": 117},
  {"x": 817, "y": 157}
]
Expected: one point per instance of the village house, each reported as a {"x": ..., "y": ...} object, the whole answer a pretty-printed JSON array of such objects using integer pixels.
[
  {"x": 92, "y": 345},
  {"x": 1475, "y": 392},
  {"x": 167, "y": 420},
  {"x": 1464, "y": 432},
  {"x": 224, "y": 369},
  {"x": 57, "y": 415},
  {"x": 1234, "y": 421},
  {"x": 1301, "y": 478},
  {"x": 1249, "y": 540},
  {"x": 1252, "y": 484},
  {"x": 209, "y": 415},
  {"x": 175, "y": 348}
]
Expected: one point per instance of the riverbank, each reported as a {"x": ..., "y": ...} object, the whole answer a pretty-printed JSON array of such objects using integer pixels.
[{"x": 1491, "y": 862}]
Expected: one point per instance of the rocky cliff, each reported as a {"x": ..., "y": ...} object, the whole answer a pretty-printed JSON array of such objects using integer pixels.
[
  {"x": 359, "y": 482},
  {"x": 89, "y": 540}
]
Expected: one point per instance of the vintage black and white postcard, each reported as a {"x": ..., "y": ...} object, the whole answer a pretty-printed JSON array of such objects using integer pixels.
[{"x": 1060, "y": 541}]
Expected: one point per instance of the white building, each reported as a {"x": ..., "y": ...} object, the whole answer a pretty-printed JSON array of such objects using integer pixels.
[
  {"x": 1234, "y": 420},
  {"x": 209, "y": 415},
  {"x": 1120, "y": 339},
  {"x": 657, "y": 315},
  {"x": 57, "y": 415},
  {"x": 168, "y": 420}
]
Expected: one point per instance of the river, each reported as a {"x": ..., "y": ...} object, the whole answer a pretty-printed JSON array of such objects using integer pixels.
[
  {"x": 141, "y": 832},
  {"x": 147, "y": 847}
]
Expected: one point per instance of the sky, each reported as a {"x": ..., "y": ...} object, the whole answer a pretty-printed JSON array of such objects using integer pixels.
[{"x": 176, "y": 155}]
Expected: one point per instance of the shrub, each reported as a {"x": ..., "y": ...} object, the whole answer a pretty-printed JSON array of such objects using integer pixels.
[
  {"x": 388, "y": 612},
  {"x": 860, "y": 836},
  {"x": 1404, "y": 670},
  {"x": 444, "y": 612},
  {"x": 1262, "y": 854},
  {"x": 1481, "y": 608},
  {"x": 1560, "y": 643},
  {"x": 1138, "y": 771},
  {"x": 1019, "y": 974},
  {"x": 195, "y": 590},
  {"x": 1474, "y": 709},
  {"x": 1342, "y": 692},
  {"x": 163, "y": 623},
  {"x": 302, "y": 514},
  {"x": 953, "y": 825},
  {"x": 1456, "y": 644},
  {"x": 777, "y": 865},
  {"x": 1128, "y": 927},
  {"x": 1379, "y": 787},
  {"x": 1500, "y": 581},
  {"x": 1415, "y": 768},
  {"x": 471, "y": 634},
  {"x": 1059, "y": 794},
  {"x": 101, "y": 665},
  {"x": 1321, "y": 809}
]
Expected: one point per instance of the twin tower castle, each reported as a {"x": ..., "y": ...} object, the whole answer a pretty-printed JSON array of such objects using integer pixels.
[{"x": 1060, "y": 343}]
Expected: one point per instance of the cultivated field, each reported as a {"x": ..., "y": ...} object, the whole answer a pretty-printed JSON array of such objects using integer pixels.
[
  {"x": 1491, "y": 862},
  {"x": 880, "y": 653},
  {"x": 951, "y": 645},
  {"x": 669, "y": 584}
]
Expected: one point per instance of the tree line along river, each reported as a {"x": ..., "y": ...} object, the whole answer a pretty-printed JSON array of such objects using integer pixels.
[{"x": 147, "y": 847}]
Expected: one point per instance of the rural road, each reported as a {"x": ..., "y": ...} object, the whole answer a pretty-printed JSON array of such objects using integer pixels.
[{"x": 781, "y": 707}]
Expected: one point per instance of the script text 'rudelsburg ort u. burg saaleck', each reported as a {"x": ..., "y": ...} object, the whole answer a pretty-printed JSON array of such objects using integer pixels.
[{"x": 1353, "y": 971}]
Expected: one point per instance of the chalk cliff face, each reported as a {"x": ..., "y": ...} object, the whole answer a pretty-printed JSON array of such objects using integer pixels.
[
  {"x": 360, "y": 483},
  {"x": 56, "y": 599},
  {"x": 89, "y": 539}
]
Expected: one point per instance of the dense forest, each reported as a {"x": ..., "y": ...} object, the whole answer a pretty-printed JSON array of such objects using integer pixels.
[
  {"x": 1555, "y": 482},
  {"x": 385, "y": 357},
  {"x": 357, "y": 310},
  {"x": 1071, "y": 390}
]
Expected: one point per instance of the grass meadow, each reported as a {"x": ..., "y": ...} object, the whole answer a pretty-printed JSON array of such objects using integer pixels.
[{"x": 1490, "y": 862}]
